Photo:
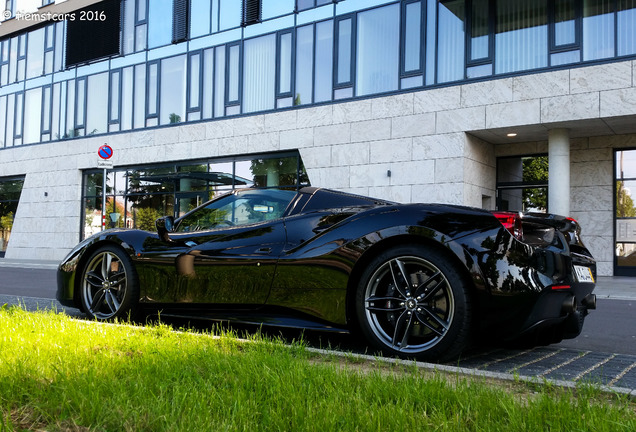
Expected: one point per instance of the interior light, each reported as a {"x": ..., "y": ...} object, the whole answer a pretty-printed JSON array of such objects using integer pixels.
[{"x": 511, "y": 135}]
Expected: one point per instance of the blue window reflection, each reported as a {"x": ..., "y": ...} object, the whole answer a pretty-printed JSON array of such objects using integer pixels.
[
  {"x": 160, "y": 23},
  {"x": 521, "y": 42},
  {"x": 377, "y": 53},
  {"x": 626, "y": 27},
  {"x": 451, "y": 41},
  {"x": 598, "y": 29}
]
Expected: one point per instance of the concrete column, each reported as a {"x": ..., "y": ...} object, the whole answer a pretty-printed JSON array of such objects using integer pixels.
[{"x": 559, "y": 171}]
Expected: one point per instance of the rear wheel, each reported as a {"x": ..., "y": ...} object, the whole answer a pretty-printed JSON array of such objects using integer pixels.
[
  {"x": 411, "y": 302},
  {"x": 109, "y": 288}
]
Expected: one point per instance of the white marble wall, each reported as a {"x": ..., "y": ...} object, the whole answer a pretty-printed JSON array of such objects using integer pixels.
[{"x": 424, "y": 139}]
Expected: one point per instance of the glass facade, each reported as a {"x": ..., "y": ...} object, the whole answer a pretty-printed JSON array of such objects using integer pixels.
[
  {"x": 10, "y": 190},
  {"x": 625, "y": 212},
  {"x": 137, "y": 196},
  {"x": 522, "y": 183},
  {"x": 302, "y": 52}
]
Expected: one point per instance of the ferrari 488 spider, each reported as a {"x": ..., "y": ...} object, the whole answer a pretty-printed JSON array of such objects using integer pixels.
[{"x": 416, "y": 280}]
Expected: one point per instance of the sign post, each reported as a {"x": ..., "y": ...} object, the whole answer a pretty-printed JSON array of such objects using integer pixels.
[{"x": 105, "y": 152}]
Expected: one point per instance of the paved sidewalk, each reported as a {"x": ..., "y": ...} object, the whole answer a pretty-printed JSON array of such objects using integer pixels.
[
  {"x": 31, "y": 264},
  {"x": 607, "y": 287}
]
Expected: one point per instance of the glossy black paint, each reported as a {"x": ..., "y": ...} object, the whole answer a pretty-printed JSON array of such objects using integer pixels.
[{"x": 304, "y": 267}]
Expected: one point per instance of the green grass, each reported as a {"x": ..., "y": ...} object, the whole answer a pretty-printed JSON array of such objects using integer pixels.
[{"x": 61, "y": 374}]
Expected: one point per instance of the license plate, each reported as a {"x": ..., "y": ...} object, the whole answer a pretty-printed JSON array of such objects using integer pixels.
[{"x": 583, "y": 274}]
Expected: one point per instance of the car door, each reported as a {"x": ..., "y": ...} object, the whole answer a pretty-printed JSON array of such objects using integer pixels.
[{"x": 225, "y": 252}]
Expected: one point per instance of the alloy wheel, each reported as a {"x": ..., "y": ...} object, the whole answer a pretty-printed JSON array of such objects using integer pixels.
[{"x": 409, "y": 304}]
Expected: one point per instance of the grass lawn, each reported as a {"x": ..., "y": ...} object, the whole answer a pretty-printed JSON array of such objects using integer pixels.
[{"x": 62, "y": 374}]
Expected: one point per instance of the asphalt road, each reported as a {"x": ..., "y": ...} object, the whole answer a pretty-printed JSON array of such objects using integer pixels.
[{"x": 609, "y": 329}]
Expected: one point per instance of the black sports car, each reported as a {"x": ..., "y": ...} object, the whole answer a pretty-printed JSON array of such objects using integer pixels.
[{"x": 417, "y": 280}]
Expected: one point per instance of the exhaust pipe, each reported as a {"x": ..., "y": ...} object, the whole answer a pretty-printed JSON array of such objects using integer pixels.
[
  {"x": 589, "y": 301},
  {"x": 569, "y": 305}
]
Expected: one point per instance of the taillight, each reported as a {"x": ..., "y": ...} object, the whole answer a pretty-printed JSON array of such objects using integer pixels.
[{"x": 512, "y": 222}]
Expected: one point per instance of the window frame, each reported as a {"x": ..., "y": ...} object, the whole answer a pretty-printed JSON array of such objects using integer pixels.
[
  {"x": 423, "y": 20},
  {"x": 337, "y": 85},
  {"x": 578, "y": 29},
  {"x": 489, "y": 59},
  {"x": 292, "y": 67}
]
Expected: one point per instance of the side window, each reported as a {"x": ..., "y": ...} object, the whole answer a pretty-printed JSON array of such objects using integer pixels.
[{"x": 242, "y": 208}]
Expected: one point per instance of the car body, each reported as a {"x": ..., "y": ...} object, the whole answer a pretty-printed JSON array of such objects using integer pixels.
[{"x": 416, "y": 280}]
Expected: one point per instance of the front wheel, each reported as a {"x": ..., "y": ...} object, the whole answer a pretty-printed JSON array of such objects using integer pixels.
[
  {"x": 411, "y": 302},
  {"x": 109, "y": 288}
]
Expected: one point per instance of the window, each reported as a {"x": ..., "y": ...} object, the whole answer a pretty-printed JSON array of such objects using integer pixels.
[
  {"x": 565, "y": 32},
  {"x": 377, "y": 51},
  {"x": 259, "y": 73},
  {"x": 10, "y": 191},
  {"x": 80, "y": 107},
  {"x": 127, "y": 98},
  {"x": 4, "y": 62},
  {"x": 207, "y": 95},
  {"x": 229, "y": 14},
  {"x": 32, "y": 115},
  {"x": 100, "y": 26},
  {"x": 160, "y": 23},
  {"x": 626, "y": 30},
  {"x": 46, "y": 113},
  {"x": 308, "y": 4},
  {"x": 345, "y": 47},
  {"x": 3, "y": 116},
  {"x": 201, "y": 20},
  {"x": 139, "y": 101},
  {"x": 304, "y": 65},
  {"x": 284, "y": 59},
  {"x": 598, "y": 29},
  {"x": 625, "y": 213},
  {"x": 521, "y": 39},
  {"x": 276, "y": 8},
  {"x": 194, "y": 83},
  {"x": 19, "y": 111},
  {"x": 114, "y": 101},
  {"x": 152, "y": 103},
  {"x": 239, "y": 208},
  {"x": 35, "y": 54},
  {"x": 172, "y": 102},
  {"x": 233, "y": 79},
  {"x": 49, "y": 51},
  {"x": 411, "y": 63},
  {"x": 323, "y": 84},
  {"x": 451, "y": 41},
  {"x": 141, "y": 25},
  {"x": 219, "y": 81},
  {"x": 522, "y": 183},
  {"x": 22, "y": 56},
  {"x": 140, "y": 195}
]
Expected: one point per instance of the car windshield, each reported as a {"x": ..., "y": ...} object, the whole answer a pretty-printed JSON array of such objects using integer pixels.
[{"x": 238, "y": 208}]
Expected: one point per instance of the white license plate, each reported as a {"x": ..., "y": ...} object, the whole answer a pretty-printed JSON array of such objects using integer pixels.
[{"x": 583, "y": 274}]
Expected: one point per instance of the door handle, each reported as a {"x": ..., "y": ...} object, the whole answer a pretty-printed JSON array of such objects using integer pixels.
[{"x": 264, "y": 250}]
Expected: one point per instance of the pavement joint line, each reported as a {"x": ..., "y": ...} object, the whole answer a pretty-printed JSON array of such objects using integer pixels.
[
  {"x": 622, "y": 374},
  {"x": 553, "y": 353},
  {"x": 590, "y": 369},
  {"x": 490, "y": 363},
  {"x": 565, "y": 363}
]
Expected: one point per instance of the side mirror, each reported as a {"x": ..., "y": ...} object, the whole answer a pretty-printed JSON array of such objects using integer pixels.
[{"x": 165, "y": 225}]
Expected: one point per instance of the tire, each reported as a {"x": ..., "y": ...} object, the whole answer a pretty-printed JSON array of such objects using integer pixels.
[
  {"x": 109, "y": 287},
  {"x": 427, "y": 318}
]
